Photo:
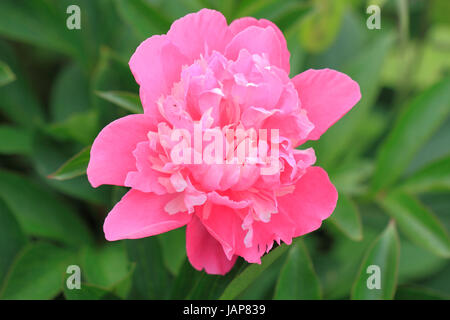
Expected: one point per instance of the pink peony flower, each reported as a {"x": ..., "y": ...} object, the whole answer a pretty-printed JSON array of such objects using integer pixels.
[{"x": 207, "y": 78}]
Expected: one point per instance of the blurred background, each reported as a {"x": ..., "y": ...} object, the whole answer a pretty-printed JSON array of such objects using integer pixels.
[{"x": 389, "y": 157}]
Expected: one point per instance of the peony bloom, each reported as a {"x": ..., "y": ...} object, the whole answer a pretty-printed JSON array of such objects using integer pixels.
[{"x": 200, "y": 81}]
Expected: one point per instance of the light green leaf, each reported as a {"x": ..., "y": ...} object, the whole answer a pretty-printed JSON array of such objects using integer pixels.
[
  {"x": 433, "y": 177},
  {"x": 37, "y": 272},
  {"x": 319, "y": 28},
  {"x": 12, "y": 239},
  {"x": 6, "y": 75},
  {"x": 346, "y": 218},
  {"x": 421, "y": 118},
  {"x": 127, "y": 100},
  {"x": 252, "y": 273},
  {"x": 40, "y": 213},
  {"x": 74, "y": 167},
  {"x": 381, "y": 262},
  {"x": 417, "y": 222},
  {"x": 298, "y": 280},
  {"x": 14, "y": 140}
]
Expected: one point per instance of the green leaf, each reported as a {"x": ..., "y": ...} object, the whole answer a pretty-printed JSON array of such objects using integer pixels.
[
  {"x": 14, "y": 140},
  {"x": 417, "y": 222},
  {"x": 346, "y": 218},
  {"x": 105, "y": 266},
  {"x": 6, "y": 75},
  {"x": 384, "y": 257},
  {"x": 433, "y": 177},
  {"x": 173, "y": 249},
  {"x": 417, "y": 263},
  {"x": 319, "y": 28},
  {"x": 79, "y": 127},
  {"x": 89, "y": 292},
  {"x": 252, "y": 273},
  {"x": 144, "y": 17},
  {"x": 48, "y": 155},
  {"x": 108, "y": 267},
  {"x": 74, "y": 167},
  {"x": 365, "y": 70},
  {"x": 40, "y": 213},
  {"x": 41, "y": 23},
  {"x": 151, "y": 279},
  {"x": 127, "y": 100},
  {"x": 12, "y": 239},
  {"x": 419, "y": 293},
  {"x": 70, "y": 93},
  {"x": 421, "y": 118},
  {"x": 185, "y": 281},
  {"x": 298, "y": 280},
  {"x": 17, "y": 100},
  {"x": 37, "y": 272}
]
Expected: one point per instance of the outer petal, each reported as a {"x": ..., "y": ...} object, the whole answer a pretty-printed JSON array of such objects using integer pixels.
[
  {"x": 326, "y": 95},
  {"x": 205, "y": 252},
  {"x": 312, "y": 201},
  {"x": 240, "y": 24},
  {"x": 140, "y": 215},
  {"x": 156, "y": 66},
  {"x": 200, "y": 33},
  {"x": 257, "y": 40},
  {"x": 112, "y": 152}
]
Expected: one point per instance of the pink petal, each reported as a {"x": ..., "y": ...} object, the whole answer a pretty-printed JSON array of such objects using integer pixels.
[
  {"x": 312, "y": 201},
  {"x": 156, "y": 66},
  {"x": 205, "y": 252},
  {"x": 326, "y": 95},
  {"x": 145, "y": 179},
  {"x": 140, "y": 215},
  {"x": 200, "y": 33},
  {"x": 112, "y": 151},
  {"x": 240, "y": 24},
  {"x": 257, "y": 40}
]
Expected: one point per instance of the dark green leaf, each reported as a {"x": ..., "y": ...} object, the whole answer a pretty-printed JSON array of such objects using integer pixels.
[
  {"x": 74, "y": 167},
  {"x": 417, "y": 222},
  {"x": 420, "y": 119},
  {"x": 251, "y": 273},
  {"x": 12, "y": 239},
  {"x": 89, "y": 292},
  {"x": 433, "y": 177},
  {"x": 14, "y": 140},
  {"x": 418, "y": 293},
  {"x": 37, "y": 272},
  {"x": 127, "y": 100},
  {"x": 298, "y": 279},
  {"x": 380, "y": 262},
  {"x": 40, "y": 213},
  {"x": 145, "y": 18},
  {"x": 346, "y": 218},
  {"x": 151, "y": 279},
  {"x": 173, "y": 249}
]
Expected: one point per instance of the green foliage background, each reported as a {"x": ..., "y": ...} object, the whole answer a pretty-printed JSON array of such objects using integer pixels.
[{"x": 389, "y": 157}]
